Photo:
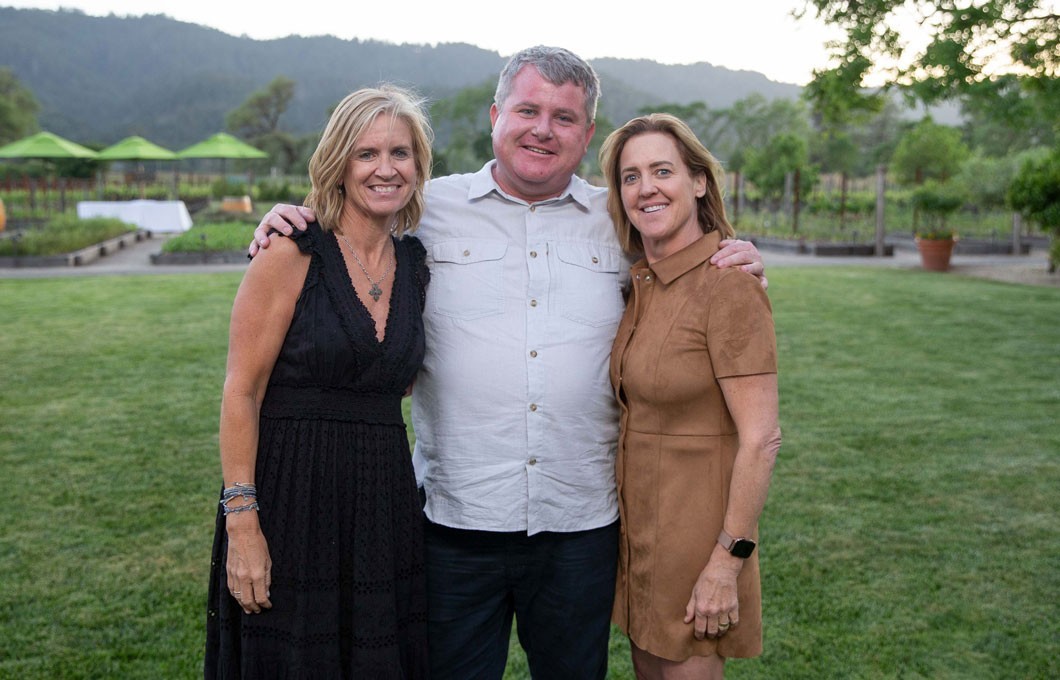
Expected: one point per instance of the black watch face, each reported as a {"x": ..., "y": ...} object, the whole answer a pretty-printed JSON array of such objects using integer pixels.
[{"x": 743, "y": 548}]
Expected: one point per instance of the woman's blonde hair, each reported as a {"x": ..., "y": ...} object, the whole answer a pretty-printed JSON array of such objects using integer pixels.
[
  {"x": 710, "y": 208},
  {"x": 351, "y": 118}
]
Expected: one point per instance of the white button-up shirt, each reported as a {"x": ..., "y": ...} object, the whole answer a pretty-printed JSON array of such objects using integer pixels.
[{"x": 516, "y": 423}]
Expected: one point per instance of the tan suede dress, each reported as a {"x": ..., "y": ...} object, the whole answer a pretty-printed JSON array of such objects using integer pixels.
[{"x": 687, "y": 324}]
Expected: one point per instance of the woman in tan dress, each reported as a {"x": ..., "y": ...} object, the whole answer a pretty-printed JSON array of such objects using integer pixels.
[{"x": 694, "y": 370}]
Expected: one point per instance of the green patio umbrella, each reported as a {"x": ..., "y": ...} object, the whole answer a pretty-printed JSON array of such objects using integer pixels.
[
  {"x": 45, "y": 145},
  {"x": 136, "y": 148},
  {"x": 222, "y": 145}
]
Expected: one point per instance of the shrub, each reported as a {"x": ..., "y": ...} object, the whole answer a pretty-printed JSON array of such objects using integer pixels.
[
  {"x": 1036, "y": 191},
  {"x": 64, "y": 234},
  {"x": 937, "y": 201},
  {"x": 280, "y": 191},
  {"x": 212, "y": 237},
  {"x": 222, "y": 187}
]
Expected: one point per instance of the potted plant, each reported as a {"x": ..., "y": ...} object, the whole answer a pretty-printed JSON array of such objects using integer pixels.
[{"x": 936, "y": 202}]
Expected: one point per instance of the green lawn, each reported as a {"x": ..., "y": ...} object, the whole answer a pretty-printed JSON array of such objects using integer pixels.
[{"x": 912, "y": 530}]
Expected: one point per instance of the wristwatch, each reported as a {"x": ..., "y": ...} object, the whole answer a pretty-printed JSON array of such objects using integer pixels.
[{"x": 737, "y": 547}]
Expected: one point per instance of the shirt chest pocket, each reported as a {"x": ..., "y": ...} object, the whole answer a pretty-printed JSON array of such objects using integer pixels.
[
  {"x": 587, "y": 283},
  {"x": 467, "y": 278}
]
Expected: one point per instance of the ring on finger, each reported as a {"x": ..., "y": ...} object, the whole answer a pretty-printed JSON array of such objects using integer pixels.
[{"x": 237, "y": 593}]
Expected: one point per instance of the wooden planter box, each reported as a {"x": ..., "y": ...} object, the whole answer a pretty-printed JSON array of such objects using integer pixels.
[
  {"x": 78, "y": 257},
  {"x": 820, "y": 248},
  {"x": 205, "y": 257}
]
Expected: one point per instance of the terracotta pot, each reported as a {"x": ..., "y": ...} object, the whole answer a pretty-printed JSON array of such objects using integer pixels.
[
  {"x": 3, "y": 215},
  {"x": 935, "y": 253}
]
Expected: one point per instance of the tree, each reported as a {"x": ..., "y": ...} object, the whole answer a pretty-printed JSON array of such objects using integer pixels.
[
  {"x": 878, "y": 137},
  {"x": 462, "y": 129},
  {"x": 1008, "y": 121},
  {"x": 929, "y": 151},
  {"x": 708, "y": 124},
  {"x": 986, "y": 180},
  {"x": 260, "y": 114},
  {"x": 988, "y": 53},
  {"x": 604, "y": 127},
  {"x": 258, "y": 121},
  {"x": 747, "y": 125},
  {"x": 932, "y": 152},
  {"x": 1035, "y": 191},
  {"x": 835, "y": 151},
  {"x": 754, "y": 120},
  {"x": 18, "y": 108},
  {"x": 835, "y": 109},
  {"x": 769, "y": 166}
]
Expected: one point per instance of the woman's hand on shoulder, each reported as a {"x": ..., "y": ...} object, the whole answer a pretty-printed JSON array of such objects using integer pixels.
[
  {"x": 743, "y": 254},
  {"x": 283, "y": 218}
]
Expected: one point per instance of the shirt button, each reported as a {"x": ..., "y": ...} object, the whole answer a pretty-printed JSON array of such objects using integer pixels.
[
  {"x": 596, "y": 260},
  {"x": 533, "y": 353},
  {"x": 533, "y": 303},
  {"x": 466, "y": 253},
  {"x": 648, "y": 277},
  {"x": 533, "y": 208},
  {"x": 533, "y": 407},
  {"x": 533, "y": 253},
  {"x": 532, "y": 461}
]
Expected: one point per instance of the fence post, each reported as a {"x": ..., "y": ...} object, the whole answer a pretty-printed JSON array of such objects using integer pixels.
[
  {"x": 881, "y": 188},
  {"x": 741, "y": 194},
  {"x": 788, "y": 180}
]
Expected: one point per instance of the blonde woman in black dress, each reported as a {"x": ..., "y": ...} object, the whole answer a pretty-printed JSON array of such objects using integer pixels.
[{"x": 318, "y": 555}]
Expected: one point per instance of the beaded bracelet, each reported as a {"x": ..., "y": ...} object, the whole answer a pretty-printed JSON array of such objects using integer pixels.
[
  {"x": 239, "y": 508},
  {"x": 247, "y": 491}
]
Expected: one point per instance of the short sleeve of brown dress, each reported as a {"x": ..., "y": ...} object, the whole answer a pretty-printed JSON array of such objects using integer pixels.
[{"x": 687, "y": 324}]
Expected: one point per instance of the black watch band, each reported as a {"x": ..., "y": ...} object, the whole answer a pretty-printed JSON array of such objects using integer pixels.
[{"x": 737, "y": 547}]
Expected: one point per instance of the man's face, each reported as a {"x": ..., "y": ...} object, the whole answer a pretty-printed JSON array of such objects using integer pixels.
[{"x": 540, "y": 134}]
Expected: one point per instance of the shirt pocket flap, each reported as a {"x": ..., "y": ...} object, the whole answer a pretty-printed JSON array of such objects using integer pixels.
[
  {"x": 592, "y": 257},
  {"x": 469, "y": 251}
]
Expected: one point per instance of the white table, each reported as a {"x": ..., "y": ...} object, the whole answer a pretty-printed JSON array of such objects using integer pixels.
[{"x": 155, "y": 216}]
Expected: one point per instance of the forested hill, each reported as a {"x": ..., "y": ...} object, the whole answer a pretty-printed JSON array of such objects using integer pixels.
[{"x": 102, "y": 78}]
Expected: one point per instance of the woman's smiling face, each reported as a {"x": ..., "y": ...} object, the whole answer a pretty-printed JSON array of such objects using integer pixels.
[{"x": 659, "y": 193}]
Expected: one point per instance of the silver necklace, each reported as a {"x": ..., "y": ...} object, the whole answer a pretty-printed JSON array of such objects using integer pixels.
[{"x": 375, "y": 291}]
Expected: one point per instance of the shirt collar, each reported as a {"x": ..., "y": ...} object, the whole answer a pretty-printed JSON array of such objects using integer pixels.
[
  {"x": 685, "y": 260},
  {"x": 482, "y": 183}
]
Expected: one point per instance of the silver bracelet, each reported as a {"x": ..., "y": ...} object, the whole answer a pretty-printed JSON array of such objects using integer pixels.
[{"x": 239, "y": 508}]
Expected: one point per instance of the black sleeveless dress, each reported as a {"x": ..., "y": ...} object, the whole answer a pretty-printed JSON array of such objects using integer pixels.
[{"x": 339, "y": 505}]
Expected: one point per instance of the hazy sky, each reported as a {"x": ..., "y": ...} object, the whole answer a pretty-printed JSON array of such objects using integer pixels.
[{"x": 757, "y": 35}]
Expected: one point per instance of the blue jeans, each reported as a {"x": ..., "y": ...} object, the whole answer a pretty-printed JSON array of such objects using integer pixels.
[{"x": 559, "y": 586}]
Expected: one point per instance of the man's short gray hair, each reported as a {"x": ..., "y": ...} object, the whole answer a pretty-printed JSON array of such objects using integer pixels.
[{"x": 556, "y": 65}]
